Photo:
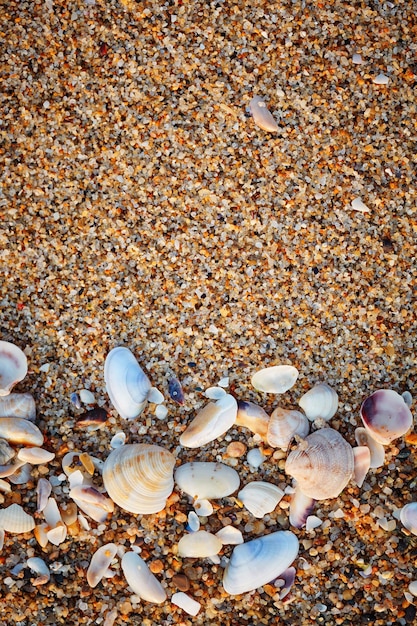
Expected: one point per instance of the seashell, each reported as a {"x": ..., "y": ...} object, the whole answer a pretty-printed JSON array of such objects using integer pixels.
[
  {"x": 358, "y": 205},
  {"x": 276, "y": 379},
  {"x": 10, "y": 469},
  {"x": 259, "y": 561},
  {"x": 40, "y": 534},
  {"x": 14, "y": 519},
  {"x": 300, "y": 508},
  {"x": 87, "y": 396},
  {"x": 35, "y": 456},
  {"x": 119, "y": 439},
  {"x": 319, "y": 402},
  {"x": 260, "y": 497},
  {"x": 100, "y": 562},
  {"x": 38, "y": 565},
  {"x": 57, "y": 535},
  {"x": 22, "y": 475},
  {"x": 92, "y": 502},
  {"x": 5, "y": 486},
  {"x": 386, "y": 416},
  {"x": 215, "y": 393},
  {"x": 322, "y": 464},
  {"x": 155, "y": 396},
  {"x": 87, "y": 463},
  {"x": 203, "y": 507},
  {"x": 161, "y": 411},
  {"x": 381, "y": 79},
  {"x": 357, "y": 59},
  {"x": 93, "y": 419},
  {"x": 139, "y": 477},
  {"x": 211, "y": 422},
  {"x": 13, "y": 366},
  {"x": 285, "y": 582},
  {"x": 313, "y": 522},
  {"x": 200, "y": 544},
  {"x": 377, "y": 452},
  {"x": 262, "y": 116},
  {"x": 141, "y": 580},
  {"x": 18, "y": 405},
  {"x": 412, "y": 587},
  {"x": 362, "y": 463},
  {"x": 19, "y": 430},
  {"x": 6, "y": 452},
  {"x": 193, "y": 522},
  {"x": 255, "y": 457},
  {"x": 229, "y": 535},
  {"x": 283, "y": 425},
  {"x": 186, "y": 603},
  {"x": 207, "y": 480},
  {"x": 236, "y": 449},
  {"x": 175, "y": 390},
  {"x": 52, "y": 513},
  {"x": 408, "y": 517},
  {"x": 69, "y": 513},
  {"x": 76, "y": 400},
  {"x": 43, "y": 491},
  {"x": 408, "y": 398},
  {"x": 126, "y": 383},
  {"x": 252, "y": 416}
]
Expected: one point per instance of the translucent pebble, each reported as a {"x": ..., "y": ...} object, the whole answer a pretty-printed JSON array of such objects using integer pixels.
[
  {"x": 155, "y": 396},
  {"x": 224, "y": 382},
  {"x": 412, "y": 587},
  {"x": 161, "y": 411},
  {"x": 313, "y": 522},
  {"x": 381, "y": 79},
  {"x": 119, "y": 439},
  {"x": 357, "y": 59}
]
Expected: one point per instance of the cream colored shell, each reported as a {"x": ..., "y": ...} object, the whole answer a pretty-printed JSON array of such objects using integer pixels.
[{"x": 283, "y": 425}]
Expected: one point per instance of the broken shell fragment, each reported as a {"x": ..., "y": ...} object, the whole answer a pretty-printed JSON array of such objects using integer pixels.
[
  {"x": 322, "y": 464},
  {"x": 203, "y": 507},
  {"x": 321, "y": 401},
  {"x": 207, "y": 480},
  {"x": 362, "y": 463},
  {"x": 211, "y": 422},
  {"x": 284, "y": 425},
  {"x": 119, "y": 439},
  {"x": 175, "y": 390},
  {"x": 229, "y": 535},
  {"x": 259, "y": 561},
  {"x": 43, "y": 491},
  {"x": 13, "y": 366},
  {"x": 35, "y": 456},
  {"x": 260, "y": 497},
  {"x": 86, "y": 396},
  {"x": 301, "y": 506},
  {"x": 141, "y": 580},
  {"x": 6, "y": 452},
  {"x": 386, "y": 416},
  {"x": 408, "y": 517},
  {"x": 92, "y": 502},
  {"x": 377, "y": 451},
  {"x": 252, "y": 416},
  {"x": 186, "y": 603},
  {"x": 38, "y": 565},
  {"x": 276, "y": 379},
  {"x": 262, "y": 116},
  {"x": 139, "y": 477},
  {"x": 100, "y": 562},
  {"x": 200, "y": 544},
  {"x": 14, "y": 519},
  {"x": 381, "y": 79},
  {"x": 18, "y": 405},
  {"x": 20, "y": 430},
  {"x": 127, "y": 384}
]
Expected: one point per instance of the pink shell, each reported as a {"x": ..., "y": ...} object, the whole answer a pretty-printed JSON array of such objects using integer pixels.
[{"x": 386, "y": 416}]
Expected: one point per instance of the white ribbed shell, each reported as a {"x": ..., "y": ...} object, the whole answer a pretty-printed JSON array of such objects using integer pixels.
[
  {"x": 15, "y": 520},
  {"x": 283, "y": 425},
  {"x": 18, "y": 405},
  {"x": 260, "y": 497},
  {"x": 321, "y": 401}
]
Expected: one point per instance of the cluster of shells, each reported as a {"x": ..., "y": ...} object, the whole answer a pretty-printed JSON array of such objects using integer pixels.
[{"x": 139, "y": 478}]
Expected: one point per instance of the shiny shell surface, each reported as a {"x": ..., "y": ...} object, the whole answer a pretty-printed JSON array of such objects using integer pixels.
[
  {"x": 200, "y": 544},
  {"x": 100, "y": 562},
  {"x": 321, "y": 401},
  {"x": 377, "y": 451},
  {"x": 386, "y": 416},
  {"x": 252, "y": 416},
  {"x": 211, "y": 422},
  {"x": 14, "y": 519},
  {"x": 283, "y": 425},
  {"x": 18, "y": 405},
  {"x": 141, "y": 580},
  {"x": 362, "y": 463},
  {"x": 20, "y": 430},
  {"x": 207, "y": 480},
  {"x": 276, "y": 379},
  {"x": 408, "y": 517},
  {"x": 13, "y": 366},
  {"x": 127, "y": 384},
  {"x": 259, "y": 561},
  {"x": 260, "y": 497},
  {"x": 186, "y": 603},
  {"x": 262, "y": 116},
  {"x": 139, "y": 477}
]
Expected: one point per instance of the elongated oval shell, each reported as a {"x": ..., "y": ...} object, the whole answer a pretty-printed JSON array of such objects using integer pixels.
[
  {"x": 260, "y": 497},
  {"x": 19, "y": 430},
  {"x": 139, "y": 477},
  {"x": 252, "y": 416},
  {"x": 200, "y": 544},
  {"x": 207, "y": 480},
  {"x": 35, "y": 456},
  {"x": 141, "y": 580},
  {"x": 321, "y": 401},
  {"x": 100, "y": 562},
  {"x": 408, "y": 517},
  {"x": 186, "y": 603},
  {"x": 126, "y": 383},
  {"x": 259, "y": 561},
  {"x": 283, "y": 425},
  {"x": 14, "y": 519},
  {"x": 322, "y": 464},
  {"x": 386, "y": 416},
  {"x": 18, "y": 405},
  {"x": 39, "y": 566},
  {"x": 13, "y": 366},
  {"x": 377, "y": 451},
  {"x": 211, "y": 422},
  {"x": 362, "y": 463},
  {"x": 262, "y": 116},
  {"x": 276, "y": 379}
]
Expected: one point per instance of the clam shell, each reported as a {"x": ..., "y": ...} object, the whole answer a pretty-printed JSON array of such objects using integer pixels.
[
  {"x": 207, "y": 480},
  {"x": 6, "y": 452},
  {"x": 19, "y": 430},
  {"x": 126, "y": 383},
  {"x": 319, "y": 402},
  {"x": 18, "y": 405},
  {"x": 141, "y": 580},
  {"x": 386, "y": 416},
  {"x": 260, "y": 497},
  {"x": 92, "y": 502},
  {"x": 13, "y": 366},
  {"x": 139, "y": 477},
  {"x": 39, "y": 566},
  {"x": 377, "y": 451},
  {"x": 301, "y": 506},
  {"x": 322, "y": 464},
  {"x": 43, "y": 491},
  {"x": 186, "y": 603},
  {"x": 229, "y": 535},
  {"x": 276, "y": 379},
  {"x": 211, "y": 422},
  {"x": 362, "y": 463},
  {"x": 200, "y": 544},
  {"x": 259, "y": 561},
  {"x": 252, "y": 416},
  {"x": 262, "y": 116},
  {"x": 283, "y": 425},
  {"x": 15, "y": 520},
  {"x": 408, "y": 517},
  {"x": 35, "y": 456},
  {"x": 100, "y": 562},
  {"x": 204, "y": 507}
]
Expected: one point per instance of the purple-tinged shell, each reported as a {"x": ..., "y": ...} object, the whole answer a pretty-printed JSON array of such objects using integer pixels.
[
  {"x": 175, "y": 390},
  {"x": 386, "y": 416},
  {"x": 301, "y": 506},
  {"x": 285, "y": 582},
  {"x": 362, "y": 463}
]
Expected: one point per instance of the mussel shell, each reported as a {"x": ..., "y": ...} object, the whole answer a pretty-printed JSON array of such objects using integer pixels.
[
  {"x": 13, "y": 366},
  {"x": 126, "y": 383},
  {"x": 386, "y": 416}
]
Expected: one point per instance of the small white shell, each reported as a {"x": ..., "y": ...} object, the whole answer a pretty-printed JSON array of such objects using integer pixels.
[
  {"x": 377, "y": 451},
  {"x": 276, "y": 379},
  {"x": 203, "y": 507},
  {"x": 211, "y": 422},
  {"x": 207, "y": 480},
  {"x": 161, "y": 411},
  {"x": 260, "y": 497},
  {"x": 22, "y": 475},
  {"x": 300, "y": 508},
  {"x": 229, "y": 535},
  {"x": 100, "y": 562},
  {"x": 200, "y": 544},
  {"x": 6, "y": 452},
  {"x": 20, "y": 430},
  {"x": 283, "y": 425},
  {"x": 141, "y": 580},
  {"x": 52, "y": 513},
  {"x": 119, "y": 439},
  {"x": 57, "y": 535},
  {"x": 215, "y": 393},
  {"x": 38, "y": 565},
  {"x": 155, "y": 396},
  {"x": 35, "y": 456},
  {"x": 357, "y": 59},
  {"x": 255, "y": 457},
  {"x": 186, "y": 603},
  {"x": 408, "y": 517},
  {"x": 252, "y": 416},
  {"x": 14, "y": 519},
  {"x": 381, "y": 79},
  {"x": 86, "y": 396},
  {"x": 321, "y": 401},
  {"x": 18, "y": 405},
  {"x": 43, "y": 491},
  {"x": 262, "y": 116},
  {"x": 193, "y": 522},
  {"x": 313, "y": 522},
  {"x": 92, "y": 502},
  {"x": 386, "y": 416},
  {"x": 259, "y": 561},
  {"x": 13, "y": 366},
  {"x": 362, "y": 463},
  {"x": 358, "y": 205},
  {"x": 126, "y": 383}
]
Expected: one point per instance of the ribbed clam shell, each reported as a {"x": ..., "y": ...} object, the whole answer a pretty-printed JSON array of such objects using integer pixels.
[
  {"x": 18, "y": 405},
  {"x": 200, "y": 544},
  {"x": 207, "y": 480},
  {"x": 126, "y": 383},
  {"x": 283, "y": 425},
  {"x": 141, "y": 580},
  {"x": 408, "y": 517},
  {"x": 100, "y": 562},
  {"x": 139, "y": 477},
  {"x": 386, "y": 416},
  {"x": 321, "y": 401},
  {"x": 13, "y": 366},
  {"x": 322, "y": 464},
  {"x": 262, "y": 116},
  {"x": 14, "y": 519},
  {"x": 377, "y": 451},
  {"x": 260, "y": 497},
  {"x": 276, "y": 379},
  {"x": 362, "y": 463},
  {"x": 259, "y": 561},
  {"x": 252, "y": 416},
  {"x": 211, "y": 422},
  {"x": 20, "y": 430},
  {"x": 35, "y": 456}
]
